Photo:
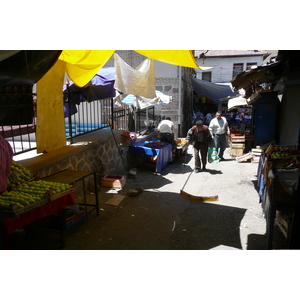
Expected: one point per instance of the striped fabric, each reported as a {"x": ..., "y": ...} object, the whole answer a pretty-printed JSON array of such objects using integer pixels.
[{"x": 6, "y": 155}]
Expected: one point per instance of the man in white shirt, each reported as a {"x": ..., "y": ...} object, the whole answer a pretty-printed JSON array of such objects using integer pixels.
[
  {"x": 166, "y": 130},
  {"x": 218, "y": 128}
]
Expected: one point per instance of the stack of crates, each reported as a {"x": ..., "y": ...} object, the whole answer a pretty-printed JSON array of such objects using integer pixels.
[{"x": 237, "y": 144}]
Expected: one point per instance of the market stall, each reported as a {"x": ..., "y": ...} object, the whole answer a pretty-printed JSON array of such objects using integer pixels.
[
  {"x": 180, "y": 147},
  {"x": 278, "y": 175},
  {"x": 160, "y": 150},
  {"x": 13, "y": 219},
  {"x": 29, "y": 198}
]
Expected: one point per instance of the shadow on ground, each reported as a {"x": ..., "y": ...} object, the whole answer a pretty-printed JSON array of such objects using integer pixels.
[{"x": 204, "y": 226}]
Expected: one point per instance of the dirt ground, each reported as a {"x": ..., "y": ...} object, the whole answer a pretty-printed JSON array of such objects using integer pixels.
[{"x": 160, "y": 218}]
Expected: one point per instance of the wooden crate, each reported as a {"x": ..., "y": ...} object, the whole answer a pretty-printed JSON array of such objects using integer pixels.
[
  {"x": 235, "y": 152},
  {"x": 237, "y": 145},
  {"x": 237, "y": 138},
  {"x": 237, "y": 149}
]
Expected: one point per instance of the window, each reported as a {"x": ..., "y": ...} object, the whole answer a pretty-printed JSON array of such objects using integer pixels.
[
  {"x": 206, "y": 76},
  {"x": 250, "y": 65},
  {"x": 237, "y": 68}
]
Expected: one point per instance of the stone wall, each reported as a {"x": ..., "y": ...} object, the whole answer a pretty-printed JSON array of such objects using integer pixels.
[{"x": 99, "y": 152}]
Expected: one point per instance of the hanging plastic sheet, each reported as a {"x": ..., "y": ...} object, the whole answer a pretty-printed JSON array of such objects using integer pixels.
[
  {"x": 212, "y": 91},
  {"x": 184, "y": 58},
  {"x": 26, "y": 67},
  {"x": 82, "y": 65},
  {"x": 139, "y": 81},
  {"x": 50, "y": 129},
  {"x": 142, "y": 102},
  {"x": 100, "y": 87}
]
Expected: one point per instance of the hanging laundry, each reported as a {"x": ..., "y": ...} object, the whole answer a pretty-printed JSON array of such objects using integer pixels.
[{"x": 139, "y": 81}]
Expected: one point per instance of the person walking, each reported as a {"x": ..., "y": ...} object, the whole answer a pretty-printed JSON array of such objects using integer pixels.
[
  {"x": 200, "y": 137},
  {"x": 207, "y": 119},
  {"x": 166, "y": 130},
  {"x": 218, "y": 128}
]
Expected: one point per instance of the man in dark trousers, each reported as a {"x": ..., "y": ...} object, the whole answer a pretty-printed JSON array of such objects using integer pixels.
[
  {"x": 218, "y": 128},
  {"x": 200, "y": 137}
]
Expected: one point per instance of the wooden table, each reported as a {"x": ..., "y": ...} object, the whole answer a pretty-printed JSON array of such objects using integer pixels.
[{"x": 72, "y": 176}]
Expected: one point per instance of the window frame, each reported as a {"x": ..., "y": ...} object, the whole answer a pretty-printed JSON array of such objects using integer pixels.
[
  {"x": 235, "y": 67},
  {"x": 206, "y": 73},
  {"x": 249, "y": 65}
]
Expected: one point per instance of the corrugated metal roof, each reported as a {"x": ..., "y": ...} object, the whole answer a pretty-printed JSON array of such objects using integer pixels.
[{"x": 216, "y": 53}]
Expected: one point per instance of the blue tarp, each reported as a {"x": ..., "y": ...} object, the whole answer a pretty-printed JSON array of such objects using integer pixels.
[
  {"x": 212, "y": 91},
  {"x": 102, "y": 85}
]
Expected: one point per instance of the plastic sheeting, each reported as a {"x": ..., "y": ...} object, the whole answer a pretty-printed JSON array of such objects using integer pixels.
[
  {"x": 100, "y": 87},
  {"x": 142, "y": 102},
  {"x": 184, "y": 58},
  {"x": 25, "y": 67},
  {"x": 139, "y": 81},
  {"x": 82, "y": 65},
  {"x": 50, "y": 129},
  {"x": 212, "y": 91}
]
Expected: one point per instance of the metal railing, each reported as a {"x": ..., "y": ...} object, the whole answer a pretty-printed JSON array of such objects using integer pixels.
[
  {"x": 83, "y": 117},
  {"x": 17, "y": 117}
]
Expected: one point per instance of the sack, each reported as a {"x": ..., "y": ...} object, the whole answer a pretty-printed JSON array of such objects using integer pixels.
[{"x": 212, "y": 155}]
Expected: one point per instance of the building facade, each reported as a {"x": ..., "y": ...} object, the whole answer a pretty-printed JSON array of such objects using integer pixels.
[{"x": 226, "y": 64}]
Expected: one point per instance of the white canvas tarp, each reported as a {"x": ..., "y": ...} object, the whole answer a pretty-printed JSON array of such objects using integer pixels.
[{"x": 139, "y": 81}]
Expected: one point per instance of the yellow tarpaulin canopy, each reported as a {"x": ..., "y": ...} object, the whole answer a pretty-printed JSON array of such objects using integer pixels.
[
  {"x": 82, "y": 65},
  {"x": 184, "y": 58},
  {"x": 50, "y": 129}
]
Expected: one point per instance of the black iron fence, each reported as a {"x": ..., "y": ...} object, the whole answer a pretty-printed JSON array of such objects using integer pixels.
[
  {"x": 18, "y": 119},
  {"x": 83, "y": 117}
]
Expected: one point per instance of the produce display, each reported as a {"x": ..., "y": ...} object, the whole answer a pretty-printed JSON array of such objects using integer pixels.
[
  {"x": 18, "y": 175},
  {"x": 281, "y": 151},
  {"x": 180, "y": 141},
  {"x": 31, "y": 192}
]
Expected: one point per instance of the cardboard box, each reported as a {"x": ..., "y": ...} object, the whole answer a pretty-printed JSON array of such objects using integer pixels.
[{"x": 113, "y": 181}]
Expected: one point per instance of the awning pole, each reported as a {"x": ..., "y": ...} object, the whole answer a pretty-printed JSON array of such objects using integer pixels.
[{"x": 179, "y": 100}]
